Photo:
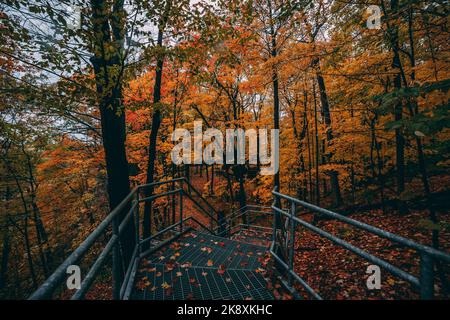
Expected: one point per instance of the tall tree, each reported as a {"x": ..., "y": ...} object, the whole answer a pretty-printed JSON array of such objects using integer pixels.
[{"x": 108, "y": 34}]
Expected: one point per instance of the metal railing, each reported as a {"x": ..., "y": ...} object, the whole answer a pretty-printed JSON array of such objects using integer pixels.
[
  {"x": 284, "y": 236},
  {"x": 245, "y": 217},
  {"x": 122, "y": 271}
]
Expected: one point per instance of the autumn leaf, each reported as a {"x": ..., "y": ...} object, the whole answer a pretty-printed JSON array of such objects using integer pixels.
[
  {"x": 391, "y": 281},
  {"x": 221, "y": 269},
  {"x": 276, "y": 294},
  {"x": 190, "y": 296},
  {"x": 210, "y": 263},
  {"x": 287, "y": 296},
  {"x": 168, "y": 291},
  {"x": 208, "y": 249},
  {"x": 169, "y": 267},
  {"x": 165, "y": 285}
]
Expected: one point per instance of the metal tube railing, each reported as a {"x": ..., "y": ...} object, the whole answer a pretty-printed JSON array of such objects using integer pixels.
[
  {"x": 95, "y": 269},
  {"x": 377, "y": 231},
  {"x": 211, "y": 208},
  {"x": 294, "y": 275},
  {"x": 122, "y": 275},
  {"x": 159, "y": 195},
  {"x": 181, "y": 210},
  {"x": 128, "y": 273},
  {"x": 367, "y": 256},
  {"x": 201, "y": 207},
  {"x": 48, "y": 287},
  {"x": 425, "y": 282},
  {"x": 159, "y": 233},
  {"x": 232, "y": 218}
]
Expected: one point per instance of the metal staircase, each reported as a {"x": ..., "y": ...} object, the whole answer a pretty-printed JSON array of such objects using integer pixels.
[
  {"x": 249, "y": 254},
  {"x": 178, "y": 227},
  {"x": 201, "y": 266}
]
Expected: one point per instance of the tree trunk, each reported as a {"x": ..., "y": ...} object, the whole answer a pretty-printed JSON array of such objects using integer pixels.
[
  {"x": 108, "y": 33},
  {"x": 398, "y": 109},
  {"x": 5, "y": 258},
  {"x": 317, "y": 182},
  {"x": 276, "y": 99},
  {"x": 156, "y": 122},
  {"x": 26, "y": 237},
  {"x": 334, "y": 177},
  {"x": 41, "y": 235}
]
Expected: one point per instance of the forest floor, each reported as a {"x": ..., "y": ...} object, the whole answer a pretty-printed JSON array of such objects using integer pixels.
[{"x": 336, "y": 273}]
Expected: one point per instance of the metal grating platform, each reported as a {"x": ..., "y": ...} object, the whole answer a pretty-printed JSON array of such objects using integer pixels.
[
  {"x": 260, "y": 237},
  {"x": 199, "y": 266}
]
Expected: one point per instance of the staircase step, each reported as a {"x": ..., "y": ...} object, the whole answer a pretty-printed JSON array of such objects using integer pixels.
[
  {"x": 198, "y": 249},
  {"x": 254, "y": 237},
  {"x": 202, "y": 266},
  {"x": 198, "y": 283}
]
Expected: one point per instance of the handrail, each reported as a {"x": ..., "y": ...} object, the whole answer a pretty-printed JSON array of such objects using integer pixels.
[
  {"x": 425, "y": 282},
  {"x": 46, "y": 290},
  {"x": 159, "y": 195},
  {"x": 377, "y": 231},
  {"x": 156, "y": 184},
  {"x": 58, "y": 275},
  {"x": 200, "y": 206},
  {"x": 200, "y": 196},
  {"x": 234, "y": 216},
  {"x": 201, "y": 224},
  {"x": 249, "y": 208},
  {"x": 394, "y": 270},
  {"x": 191, "y": 187}
]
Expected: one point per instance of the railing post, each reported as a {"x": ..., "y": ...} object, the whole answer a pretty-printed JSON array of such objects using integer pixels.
[
  {"x": 274, "y": 235},
  {"x": 292, "y": 242},
  {"x": 211, "y": 220},
  {"x": 426, "y": 277},
  {"x": 277, "y": 226},
  {"x": 174, "y": 202},
  {"x": 274, "y": 224},
  {"x": 222, "y": 223},
  {"x": 181, "y": 211},
  {"x": 116, "y": 264},
  {"x": 136, "y": 222}
]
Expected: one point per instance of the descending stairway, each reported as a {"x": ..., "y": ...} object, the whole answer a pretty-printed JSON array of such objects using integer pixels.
[
  {"x": 201, "y": 266},
  {"x": 254, "y": 235},
  {"x": 180, "y": 262}
]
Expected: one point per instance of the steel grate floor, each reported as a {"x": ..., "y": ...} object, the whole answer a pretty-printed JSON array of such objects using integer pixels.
[
  {"x": 199, "y": 266},
  {"x": 254, "y": 236}
]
